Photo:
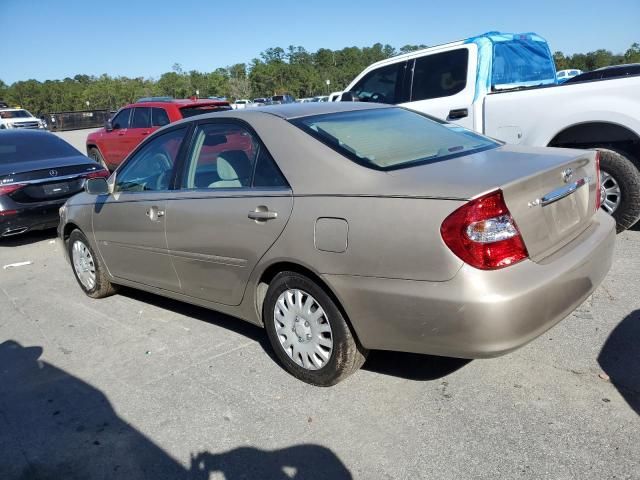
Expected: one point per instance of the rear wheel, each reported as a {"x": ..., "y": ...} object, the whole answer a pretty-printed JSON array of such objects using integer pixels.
[
  {"x": 96, "y": 156},
  {"x": 87, "y": 267},
  {"x": 308, "y": 332},
  {"x": 619, "y": 188}
]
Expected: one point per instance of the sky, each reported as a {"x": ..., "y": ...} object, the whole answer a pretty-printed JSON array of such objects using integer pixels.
[{"x": 53, "y": 39}]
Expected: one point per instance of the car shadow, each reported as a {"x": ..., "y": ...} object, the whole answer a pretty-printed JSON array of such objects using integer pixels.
[
  {"x": 28, "y": 238},
  {"x": 55, "y": 426},
  {"x": 412, "y": 366},
  {"x": 620, "y": 359}
]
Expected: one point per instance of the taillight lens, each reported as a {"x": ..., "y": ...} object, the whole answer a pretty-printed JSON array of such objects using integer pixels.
[
  {"x": 7, "y": 189},
  {"x": 98, "y": 174},
  {"x": 598, "y": 188},
  {"x": 483, "y": 233}
]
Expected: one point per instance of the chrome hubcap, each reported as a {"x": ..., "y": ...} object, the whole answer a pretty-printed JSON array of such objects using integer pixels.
[
  {"x": 303, "y": 329},
  {"x": 610, "y": 194},
  {"x": 83, "y": 265}
]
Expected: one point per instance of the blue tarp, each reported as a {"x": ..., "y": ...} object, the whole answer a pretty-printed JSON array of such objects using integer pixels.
[{"x": 508, "y": 60}]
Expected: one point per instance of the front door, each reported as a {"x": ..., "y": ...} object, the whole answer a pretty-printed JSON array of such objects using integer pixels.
[
  {"x": 114, "y": 143},
  {"x": 231, "y": 206},
  {"x": 129, "y": 224}
]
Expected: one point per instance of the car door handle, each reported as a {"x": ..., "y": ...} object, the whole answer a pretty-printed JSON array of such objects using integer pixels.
[
  {"x": 154, "y": 214},
  {"x": 458, "y": 113},
  {"x": 261, "y": 214}
]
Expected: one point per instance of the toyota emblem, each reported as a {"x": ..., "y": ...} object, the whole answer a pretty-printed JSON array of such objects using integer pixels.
[{"x": 53, "y": 173}]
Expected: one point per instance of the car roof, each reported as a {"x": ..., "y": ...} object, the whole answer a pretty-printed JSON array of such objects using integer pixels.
[
  {"x": 179, "y": 102},
  {"x": 296, "y": 110}
]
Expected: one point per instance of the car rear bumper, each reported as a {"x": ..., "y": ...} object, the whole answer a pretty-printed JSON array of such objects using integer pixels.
[
  {"x": 478, "y": 313},
  {"x": 34, "y": 217}
]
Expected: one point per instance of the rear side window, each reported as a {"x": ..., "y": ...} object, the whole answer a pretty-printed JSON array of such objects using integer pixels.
[
  {"x": 141, "y": 117},
  {"x": 202, "y": 109},
  {"x": 391, "y": 138},
  {"x": 383, "y": 85},
  {"x": 121, "y": 120},
  {"x": 159, "y": 117},
  {"x": 267, "y": 174},
  {"x": 440, "y": 75}
]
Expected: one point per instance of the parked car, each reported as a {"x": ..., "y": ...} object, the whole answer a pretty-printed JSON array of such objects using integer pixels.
[
  {"x": 334, "y": 97},
  {"x": 133, "y": 123},
  {"x": 241, "y": 103},
  {"x": 321, "y": 98},
  {"x": 504, "y": 85},
  {"x": 614, "y": 71},
  {"x": 286, "y": 98},
  {"x": 12, "y": 118},
  {"x": 261, "y": 101},
  {"x": 345, "y": 227},
  {"x": 38, "y": 172},
  {"x": 564, "y": 75}
]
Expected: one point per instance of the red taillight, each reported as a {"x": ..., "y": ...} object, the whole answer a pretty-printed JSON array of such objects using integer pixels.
[
  {"x": 598, "y": 189},
  {"x": 98, "y": 174},
  {"x": 7, "y": 189},
  {"x": 483, "y": 233},
  {"x": 6, "y": 213}
]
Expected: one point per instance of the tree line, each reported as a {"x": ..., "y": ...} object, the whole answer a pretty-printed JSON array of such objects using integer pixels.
[{"x": 294, "y": 70}]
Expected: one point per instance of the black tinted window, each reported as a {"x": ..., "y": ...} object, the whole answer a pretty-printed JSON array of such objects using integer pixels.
[
  {"x": 141, "y": 117},
  {"x": 151, "y": 167},
  {"x": 440, "y": 75},
  {"x": 121, "y": 120},
  {"x": 193, "y": 111},
  {"x": 382, "y": 85},
  {"x": 621, "y": 72},
  {"x": 267, "y": 173},
  {"x": 22, "y": 147},
  {"x": 585, "y": 77},
  {"x": 159, "y": 117}
]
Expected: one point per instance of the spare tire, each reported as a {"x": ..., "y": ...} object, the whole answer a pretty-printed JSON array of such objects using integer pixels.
[{"x": 619, "y": 188}]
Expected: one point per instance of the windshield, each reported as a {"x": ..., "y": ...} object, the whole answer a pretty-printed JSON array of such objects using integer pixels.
[
  {"x": 15, "y": 114},
  {"x": 390, "y": 138},
  {"x": 21, "y": 147}
]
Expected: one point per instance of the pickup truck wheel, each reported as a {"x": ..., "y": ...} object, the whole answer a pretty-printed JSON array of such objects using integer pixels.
[
  {"x": 95, "y": 155},
  {"x": 308, "y": 332},
  {"x": 619, "y": 188}
]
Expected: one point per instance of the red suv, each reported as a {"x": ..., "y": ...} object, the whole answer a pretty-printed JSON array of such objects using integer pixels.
[{"x": 133, "y": 123}]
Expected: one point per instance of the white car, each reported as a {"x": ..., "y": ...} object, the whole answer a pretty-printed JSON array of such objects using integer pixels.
[
  {"x": 18, "y": 118},
  {"x": 504, "y": 86},
  {"x": 564, "y": 75},
  {"x": 241, "y": 103}
]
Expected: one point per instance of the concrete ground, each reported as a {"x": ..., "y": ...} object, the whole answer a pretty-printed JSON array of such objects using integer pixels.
[
  {"x": 77, "y": 138},
  {"x": 137, "y": 386}
]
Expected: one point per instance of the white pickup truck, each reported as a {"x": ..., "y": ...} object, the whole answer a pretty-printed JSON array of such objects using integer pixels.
[{"x": 504, "y": 85}]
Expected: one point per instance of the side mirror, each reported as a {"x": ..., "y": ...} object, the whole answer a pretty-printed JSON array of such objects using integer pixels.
[
  {"x": 108, "y": 126},
  {"x": 96, "y": 186},
  {"x": 348, "y": 97}
]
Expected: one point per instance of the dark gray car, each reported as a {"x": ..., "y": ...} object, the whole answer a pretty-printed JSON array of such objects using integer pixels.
[{"x": 345, "y": 227}]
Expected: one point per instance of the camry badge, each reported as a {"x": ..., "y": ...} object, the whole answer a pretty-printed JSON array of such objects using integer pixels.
[
  {"x": 567, "y": 173},
  {"x": 53, "y": 173}
]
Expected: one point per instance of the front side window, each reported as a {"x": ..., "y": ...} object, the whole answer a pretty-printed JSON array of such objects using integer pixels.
[
  {"x": 391, "y": 138},
  {"x": 151, "y": 167},
  {"x": 382, "y": 85},
  {"x": 121, "y": 120},
  {"x": 141, "y": 117},
  {"x": 440, "y": 75}
]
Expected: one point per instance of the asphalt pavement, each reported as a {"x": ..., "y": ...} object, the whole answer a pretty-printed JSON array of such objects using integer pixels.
[{"x": 138, "y": 386}]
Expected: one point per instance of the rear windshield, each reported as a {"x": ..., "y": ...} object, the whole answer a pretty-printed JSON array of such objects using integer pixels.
[
  {"x": 23, "y": 147},
  {"x": 391, "y": 138},
  {"x": 202, "y": 109}
]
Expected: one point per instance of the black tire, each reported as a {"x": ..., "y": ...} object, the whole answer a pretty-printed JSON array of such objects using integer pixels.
[
  {"x": 628, "y": 177},
  {"x": 103, "y": 287},
  {"x": 96, "y": 156},
  {"x": 347, "y": 354}
]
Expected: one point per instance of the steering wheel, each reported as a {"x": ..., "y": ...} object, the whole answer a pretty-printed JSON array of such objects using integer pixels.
[{"x": 377, "y": 97}]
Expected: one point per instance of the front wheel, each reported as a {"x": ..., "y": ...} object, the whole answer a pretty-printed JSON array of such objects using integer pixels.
[
  {"x": 308, "y": 332},
  {"x": 87, "y": 267},
  {"x": 619, "y": 188}
]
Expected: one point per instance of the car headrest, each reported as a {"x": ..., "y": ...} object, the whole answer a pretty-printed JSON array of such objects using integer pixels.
[{"x": 234, "y": 165}]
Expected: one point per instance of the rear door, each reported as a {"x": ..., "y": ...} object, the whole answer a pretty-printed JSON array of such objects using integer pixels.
[
  {"x": 129, "y": 225},
  {"x": 441, "y": 84},
  {"x": 231, "y": 206}
]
